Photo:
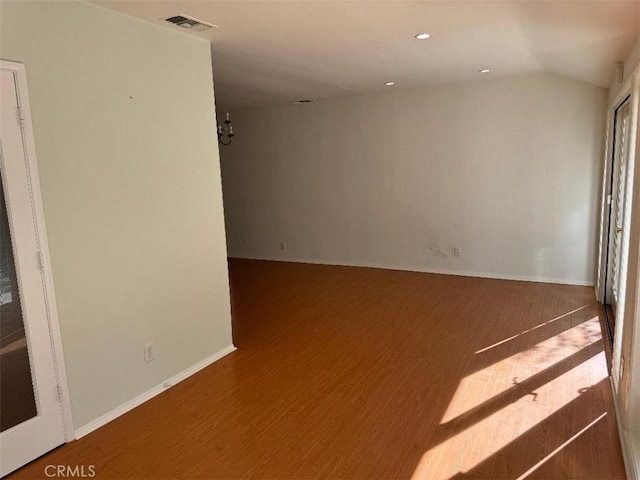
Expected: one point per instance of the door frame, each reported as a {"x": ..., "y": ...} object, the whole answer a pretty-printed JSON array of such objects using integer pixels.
[
  {"x": 20, "y": 74},
  {"x": 605, "y": 211},
  {"x": 609, "y": 205},
  {"x": 626, "y": 400},
  {"x": 629, "y": 90}
]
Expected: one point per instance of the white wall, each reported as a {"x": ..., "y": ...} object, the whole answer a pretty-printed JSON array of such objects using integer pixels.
[
  {"x": 123, "y": 115},
  {"x": 506, "y": 169}
]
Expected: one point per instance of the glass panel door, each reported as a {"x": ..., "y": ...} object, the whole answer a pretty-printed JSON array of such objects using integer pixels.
[
  {"x": 619, "y": 200},
  {"x": 17, "y": 402},
  {"x": 31, "y": 416}
]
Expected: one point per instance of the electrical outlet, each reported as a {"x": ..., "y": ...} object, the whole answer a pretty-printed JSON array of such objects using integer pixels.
[
  {"x": 457, "y": 251},
  {"x": 283, "y": 245},
  {"x": 149, "y": 353}
]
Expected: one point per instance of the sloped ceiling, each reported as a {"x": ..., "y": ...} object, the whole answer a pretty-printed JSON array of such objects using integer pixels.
[{"x": 270, "y": 53}]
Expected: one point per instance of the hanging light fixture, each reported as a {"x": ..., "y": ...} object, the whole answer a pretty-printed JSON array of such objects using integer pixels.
[{"x": 225, "y": 131}]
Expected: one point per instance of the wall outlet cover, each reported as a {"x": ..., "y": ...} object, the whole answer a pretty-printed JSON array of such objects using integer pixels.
[{"x": 149, "y": 353}]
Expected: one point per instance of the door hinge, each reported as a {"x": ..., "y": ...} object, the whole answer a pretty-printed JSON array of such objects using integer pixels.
[
  {"x": 609, "y": 198},
  {"x": 20, "y": 115},
  {"x": 41, "y": 260}
]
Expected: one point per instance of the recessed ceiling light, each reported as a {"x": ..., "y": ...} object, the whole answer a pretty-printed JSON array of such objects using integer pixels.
[
  {"x": 423, "y": 36},
  {"x": 389, "y": 84},
  {"x": 485, "y": 70}
]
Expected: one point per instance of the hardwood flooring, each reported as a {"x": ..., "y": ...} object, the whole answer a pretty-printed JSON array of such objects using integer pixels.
[{"x": 363, "y": 373}]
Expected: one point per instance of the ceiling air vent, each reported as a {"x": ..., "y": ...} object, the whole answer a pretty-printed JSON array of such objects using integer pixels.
[{"x": 189, "y": 23}]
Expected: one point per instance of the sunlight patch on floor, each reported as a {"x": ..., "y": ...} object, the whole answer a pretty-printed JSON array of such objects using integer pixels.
[
  {"x": 504, "y": 406},
  {"x": 529, "y": 330},
  {"x": 487, "y": 435},
  {"x": 509, "y": 373}
]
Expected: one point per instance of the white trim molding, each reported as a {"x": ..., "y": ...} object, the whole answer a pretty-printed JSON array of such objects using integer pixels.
[
  {"x": 625, "y": 91},
  {"x": 20, "y": 73},
  {"x": 149, "y": 394},
  {"x": 629, "y": 444},
  {"x": 626, "y": 391}
]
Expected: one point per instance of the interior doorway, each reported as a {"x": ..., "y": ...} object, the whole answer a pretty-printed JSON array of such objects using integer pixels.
[
  {"x": 34, "y": 408},
  {"x": 618, "y": 200}
]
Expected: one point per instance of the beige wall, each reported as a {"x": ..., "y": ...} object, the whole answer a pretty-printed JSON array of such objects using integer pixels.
[
  {"x": 123, "y": 115},
  {"x": 506, "y": 169}
]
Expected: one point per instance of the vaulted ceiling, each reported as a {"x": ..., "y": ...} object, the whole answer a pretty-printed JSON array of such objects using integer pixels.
[{"x": 275, "y": 52}]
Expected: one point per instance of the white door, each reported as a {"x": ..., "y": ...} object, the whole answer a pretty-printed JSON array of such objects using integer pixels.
[
  {"x": 619, "y": 200},
  {"x": 31, "y": 415}
]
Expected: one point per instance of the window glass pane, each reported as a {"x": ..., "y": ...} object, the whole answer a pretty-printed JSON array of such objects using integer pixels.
[{"x": 17, "y": 400}]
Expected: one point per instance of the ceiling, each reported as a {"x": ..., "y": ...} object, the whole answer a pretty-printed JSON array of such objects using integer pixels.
[{"x": 274, "y": 52}]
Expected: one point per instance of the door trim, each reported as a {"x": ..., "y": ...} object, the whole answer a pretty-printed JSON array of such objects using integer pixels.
[
  {"x": 625, "y": 91},
  {"x": 611, "y": 206},
  {"x": 19, "y": 71},
  {"x": 630, "y": 310}
]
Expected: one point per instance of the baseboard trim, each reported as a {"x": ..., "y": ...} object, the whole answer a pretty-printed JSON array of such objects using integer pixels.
[
  {"x": 439, "y": 271},
  {"x": 149, "y": 394},
  {"x": 631, "y": 465}
]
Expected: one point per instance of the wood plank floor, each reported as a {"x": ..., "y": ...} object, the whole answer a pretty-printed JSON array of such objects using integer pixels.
[{"x": 364, "y": 373}]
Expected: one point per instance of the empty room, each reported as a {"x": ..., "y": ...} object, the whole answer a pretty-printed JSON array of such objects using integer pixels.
[{"x": 320, "y": 239}]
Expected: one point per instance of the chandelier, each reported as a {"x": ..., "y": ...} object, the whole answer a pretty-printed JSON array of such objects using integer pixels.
[{"x": 225, "y": 131}]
